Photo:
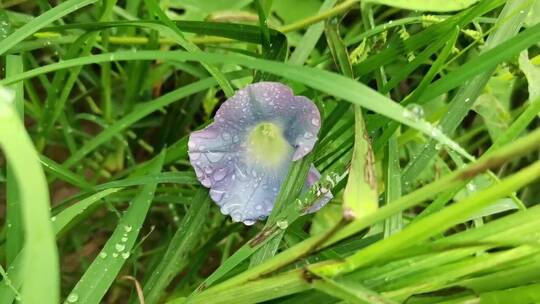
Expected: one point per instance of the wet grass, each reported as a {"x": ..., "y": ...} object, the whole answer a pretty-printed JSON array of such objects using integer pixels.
[{"x": 429, "y": 143}]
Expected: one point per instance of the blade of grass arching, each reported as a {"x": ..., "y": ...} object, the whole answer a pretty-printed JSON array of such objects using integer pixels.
[
  {"x": 360, "y": 196},
  {"x": 139, "y": 113},
  {"x": 464, "y": 99},
  {"x": 509, "y": 152},
  {"x": 309, "y": 40},
  {"x": 327, "y": 82},
  {"x": 41, "y": 272},
  {"x": 183, "y": 242},
  {"x": 14, "y": 231},
  {"x": 178, "y": 36},
  {"x": 349, "y": 291},
  {"x": 101, "y": 274},
  {"x": 433, "y": 224},
  {"x": 41, "y": 21},
  {"x": 289, "y": 191},
  {"x": 61, "y": 222}
]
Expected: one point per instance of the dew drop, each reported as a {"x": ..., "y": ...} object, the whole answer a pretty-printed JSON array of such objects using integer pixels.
[
  {"x": 125, "y": 255},
  {"x": 214, "y": 157},
  {"x": 308, "y": 135},
  {"x": 103, "y": 255},
  {"x": 414, "y": 112},
  {"x": 282, "y": 224},
  {"x": 220, "y": 174},
  {"x": 127, "y": 228},
  {"x": 119, "y": 247},
  {"x": 315, "y": 122},
  {"x": 72, "y": 298}
]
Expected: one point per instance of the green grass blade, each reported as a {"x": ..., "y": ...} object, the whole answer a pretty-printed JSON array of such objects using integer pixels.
[
  {"x": 14, "y": 232},
  {"x": 136, "y": 115},
  {"x": 181, "y": 244},
  {"x": 330, "y": 83},
  {"x": 464, "y": 99},
  {"x": 61, "y": 222},
  {"x": 360, "y": 195},
  {"x": 433, "y": 224},
  {"x": 428, "y": 5},
  {"x": 189, "y": 46},
  {"x": 41, "y": 271},
  {"x": 520, "y": 147},
  {"x": 41, "y": 21},
  {"x": 101, "y": 274},
  {"x": 350, "y": 291}
]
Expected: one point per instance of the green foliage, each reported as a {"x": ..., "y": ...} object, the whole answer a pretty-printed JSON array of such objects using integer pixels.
[{"x": 429, "y": 144}]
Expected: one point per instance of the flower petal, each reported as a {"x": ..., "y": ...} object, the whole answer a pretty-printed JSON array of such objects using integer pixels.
[{"x": 242, "y": 185}]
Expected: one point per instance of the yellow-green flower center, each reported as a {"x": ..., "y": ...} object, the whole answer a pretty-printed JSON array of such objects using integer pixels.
[{"x": 266, "y": 144}]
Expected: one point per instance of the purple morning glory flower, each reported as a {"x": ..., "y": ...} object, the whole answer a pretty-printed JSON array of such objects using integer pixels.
[{"x": 245, "y": 155}]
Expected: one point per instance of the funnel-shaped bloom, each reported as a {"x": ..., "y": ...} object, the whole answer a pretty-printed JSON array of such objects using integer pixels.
[{"x": 245, "y": 155}]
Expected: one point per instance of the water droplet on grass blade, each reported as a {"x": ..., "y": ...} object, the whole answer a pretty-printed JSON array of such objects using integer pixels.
[
  {"x": 282, "y": 224},
  {"x": 414, "y": 112},
  {"x": 120, "y": 247},
  {"x": 72, "y": 298}
]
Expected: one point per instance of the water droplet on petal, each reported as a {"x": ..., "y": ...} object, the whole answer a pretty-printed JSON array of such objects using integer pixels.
[
  {"x": 220, "y": 174},
  {"x": 214, "y": 157},
  {"x": 315, "y": 122},
  {"x": 308, "y": 135}
]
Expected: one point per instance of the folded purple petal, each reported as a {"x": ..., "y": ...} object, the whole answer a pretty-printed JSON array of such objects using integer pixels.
[{"x": 242, "y": 184}]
